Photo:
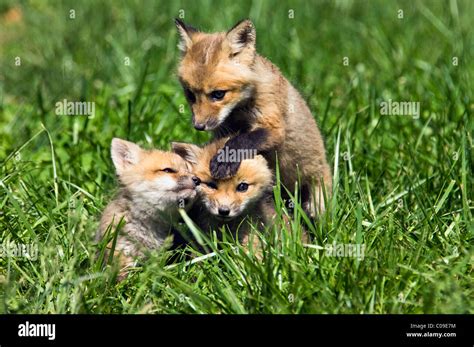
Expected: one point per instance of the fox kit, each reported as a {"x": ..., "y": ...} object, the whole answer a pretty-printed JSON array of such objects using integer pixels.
[
  {"x": 230, "y": 201},
  {"x": 154, "y": 184},
  {"x": 233, "y": 91}
]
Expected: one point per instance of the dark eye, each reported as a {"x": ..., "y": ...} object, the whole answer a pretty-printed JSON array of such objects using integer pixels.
[
  {"x": 211, "y": 185},
  {"x": 190, "y": 95},
  {"x": 242, "y": 187},
  {"x": 217, "y": 94},
  {"x": 168, "y": 170}
]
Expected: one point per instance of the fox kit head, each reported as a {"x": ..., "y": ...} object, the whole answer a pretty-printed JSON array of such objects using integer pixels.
[
  {"x": 228, "y": 198},
  {"x": 153, "y": 178},
  {"x": 216, "y": 71}
]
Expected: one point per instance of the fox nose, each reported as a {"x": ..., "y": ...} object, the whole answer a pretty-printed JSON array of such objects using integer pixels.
[
  {"x": 224, "y": 211},
  {"x": 199, "y": 126},
  {"x": 196, "y": 180}
]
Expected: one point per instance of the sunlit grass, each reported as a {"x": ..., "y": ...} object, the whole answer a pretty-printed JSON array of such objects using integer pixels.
[{"x": 402, "y": 185}]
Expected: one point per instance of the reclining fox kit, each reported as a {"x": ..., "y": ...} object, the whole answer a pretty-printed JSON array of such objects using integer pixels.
[
  {"x": 233, "y": 202},
  {"x": 154, "y": 184},
  {"x": 244, "y": 100}
]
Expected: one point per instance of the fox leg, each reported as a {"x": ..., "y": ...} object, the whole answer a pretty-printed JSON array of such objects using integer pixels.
[
  {"x": 126, "y": 254},
  {"x": 252, "y": 140},
  {"x": 252, "y": 244},
  {"x": 126, "y": 262},
  {"x": 313, "y": 199}
]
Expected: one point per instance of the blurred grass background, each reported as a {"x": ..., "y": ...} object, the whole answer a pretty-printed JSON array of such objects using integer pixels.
[{"x": 404, "y": 185}]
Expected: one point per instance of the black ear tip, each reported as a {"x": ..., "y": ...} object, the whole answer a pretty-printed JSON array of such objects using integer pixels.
[
  {"x": 176, "y": 146},
  {"x": 248, "y": 23},
  {"x": 188, "y": 28}
]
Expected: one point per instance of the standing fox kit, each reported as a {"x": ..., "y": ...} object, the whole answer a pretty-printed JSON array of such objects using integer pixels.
[
  {"x": 233, "y": 91},
  {"x": 154, "y": 184}
]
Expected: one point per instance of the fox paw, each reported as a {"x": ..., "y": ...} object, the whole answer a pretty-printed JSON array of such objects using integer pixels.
[
  {"x": 223, "y": 169},
  {"x": 315, "y": 205}
]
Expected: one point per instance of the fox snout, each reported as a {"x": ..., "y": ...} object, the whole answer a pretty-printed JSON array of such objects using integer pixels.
[
  {"x": 186, "y": 190},
  {"x": 199, "y": 126},
  {"x": 188, "y": 182},
  {"x": 196, "y": 180},
  {"x": 204, "y": 123},
  {"x": 223, "y": 211}
]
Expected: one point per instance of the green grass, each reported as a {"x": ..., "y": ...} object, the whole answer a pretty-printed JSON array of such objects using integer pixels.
[{"x": 403, "y": 186}]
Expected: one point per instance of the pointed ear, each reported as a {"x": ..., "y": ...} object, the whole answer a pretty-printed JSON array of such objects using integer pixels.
[
  {"x": 242, "y": 36},
  {"x": 187, "y": 151},
  {"x": 185, "y": 35},
  {"x": 124, "y": 154}
]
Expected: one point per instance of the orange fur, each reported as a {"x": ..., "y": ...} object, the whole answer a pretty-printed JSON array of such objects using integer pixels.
[
  {"x": 154, "y": 184},
  {"x": 253, "y": 204},
  {"x": 257, "y": 96}
]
